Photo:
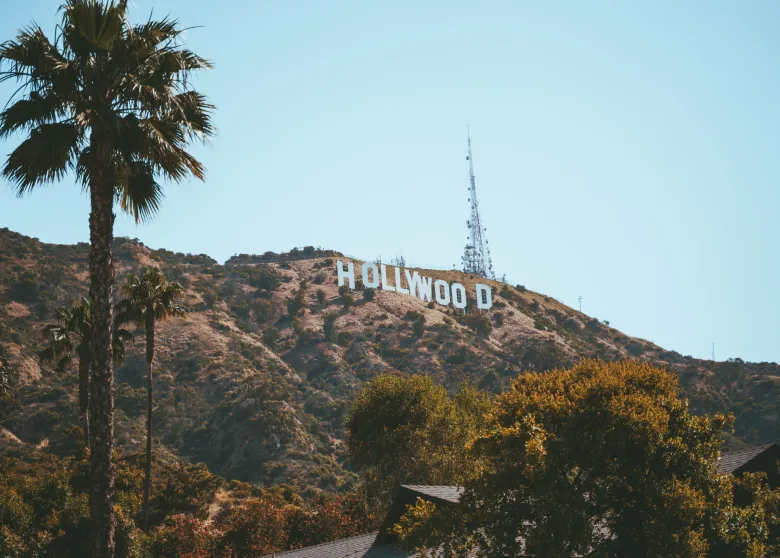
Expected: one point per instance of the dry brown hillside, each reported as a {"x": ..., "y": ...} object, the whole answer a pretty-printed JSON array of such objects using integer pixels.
[{"x": 257, "y": 381}]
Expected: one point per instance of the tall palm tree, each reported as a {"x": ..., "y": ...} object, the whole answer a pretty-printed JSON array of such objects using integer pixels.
[
  {"x": 149, "y": 298},
  {"x": 71, "y": 337},
  {"x": 112, "y": 103}
]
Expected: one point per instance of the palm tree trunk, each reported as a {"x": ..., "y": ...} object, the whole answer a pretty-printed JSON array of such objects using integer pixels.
[
  {"x": 84, "y": 395},
  {"x": 101, "y": 417},
  {"x": 149, "y": 359}
]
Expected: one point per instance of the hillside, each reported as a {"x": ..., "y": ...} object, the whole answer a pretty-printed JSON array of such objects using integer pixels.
[{"x": 260, "y": 395}]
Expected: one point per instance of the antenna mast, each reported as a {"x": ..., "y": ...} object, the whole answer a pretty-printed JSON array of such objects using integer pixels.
[{"x": 476, "y": 255}]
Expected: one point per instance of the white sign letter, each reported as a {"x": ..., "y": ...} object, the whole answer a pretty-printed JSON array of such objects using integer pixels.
[
  {"x": 398, "y": 286},
  {"x": 385, "y": 286},
  {"x": 374, "y": 273},
  {"x": 419, "y": 284},
  {"x": 458, "y": 295},
  {"x": 442, "y": 291},
  {"x": 484, "y": 296},
  {"x": 348, "y": 274}
]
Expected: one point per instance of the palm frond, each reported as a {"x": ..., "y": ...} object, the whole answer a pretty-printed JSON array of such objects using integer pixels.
[
  {"x": 43, "y": 157},
  {"x": 31, "y": 57},
  {"x": 152, "y": 33},
  {"x": 193, "y": 111},
  {"x": 92, "y": 26},
  {"x": 138, "y": 192},
  {"x": 150, "y": 292},
  {"x": 26, "y": 114}
]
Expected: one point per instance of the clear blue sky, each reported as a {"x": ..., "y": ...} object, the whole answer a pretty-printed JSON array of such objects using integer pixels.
[{"x": 627, "y": 152}]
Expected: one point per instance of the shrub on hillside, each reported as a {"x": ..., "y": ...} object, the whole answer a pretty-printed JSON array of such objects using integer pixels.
[
  {"x": 418, "y": 326},
  {"x": 329, "y": 326},
  {"x": 635, "y": 348},
  {"x": 369, "y": 294},
  {"x": 271, "y": 336},
  {"x": 297, "y": 303}
]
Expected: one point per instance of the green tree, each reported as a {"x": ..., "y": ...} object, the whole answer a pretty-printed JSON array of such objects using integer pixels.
[
  {"x": 600, "y": 460},
  {"x": 369, "y": 294},
  {"x": 71, "y": 337},
  {"x": 409, "y": 430},
  {"x": 111, "y": 102},
  {"x": 149, "y": 298}
]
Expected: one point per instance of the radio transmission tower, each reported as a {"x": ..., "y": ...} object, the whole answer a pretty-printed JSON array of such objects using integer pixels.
[{"x": 476, "y": 255}]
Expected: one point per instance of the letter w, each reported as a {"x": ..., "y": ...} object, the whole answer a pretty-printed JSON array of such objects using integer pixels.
[{"x": 419, "y": 284}]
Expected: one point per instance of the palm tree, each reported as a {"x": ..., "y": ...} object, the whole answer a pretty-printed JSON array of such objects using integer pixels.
[
  {"x": 112, "y": 103},
  {"x": 71, "y": 337},
  {"x": 149, "y": 299}
]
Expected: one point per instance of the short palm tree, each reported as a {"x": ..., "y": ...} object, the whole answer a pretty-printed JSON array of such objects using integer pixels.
[
  {"x": 71, "y": 337},
  {"x": 149, "y": 298},
  {"x": 112, "y": 103}
]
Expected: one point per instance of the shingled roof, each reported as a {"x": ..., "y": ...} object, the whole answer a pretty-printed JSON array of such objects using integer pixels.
[
  {"x": 361, "y": 546},
  {"x": 438, "y": 492},
  {"x": 734, "y": 460}
]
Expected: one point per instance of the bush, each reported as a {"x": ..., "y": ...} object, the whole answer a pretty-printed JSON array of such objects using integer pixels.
[
  {"x": 635, "y": 348},
  {"x": 348, "y": 301},
  {"x": 297, "y": 324},
  {"x": 479, "y": 323},
  {"x": 182, "y": 535},
  {"x": 418, "y": 326},
  {"x": 343, "y": 289},
  {"x": 329, "y": 326},
  {"x": 181, "y": 488},
  {"x": 296, "y": 304},
  {"x": 271, "y": 336},
  {"x": 321, "y": 296},
  {"x": 369, "y": 294}
]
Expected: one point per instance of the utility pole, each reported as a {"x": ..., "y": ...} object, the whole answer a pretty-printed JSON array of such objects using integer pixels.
[
  {"x": 579, "y": 299},
  {"x": 713, "y": 352}
]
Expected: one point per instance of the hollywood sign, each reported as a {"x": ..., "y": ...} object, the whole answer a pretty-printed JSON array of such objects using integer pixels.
[{"x": 375, "y": 276}]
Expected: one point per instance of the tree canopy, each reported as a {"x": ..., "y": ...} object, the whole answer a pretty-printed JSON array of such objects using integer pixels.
[
  {"x": 604, "y": 459},
  {"x": 408, "y": 430}
]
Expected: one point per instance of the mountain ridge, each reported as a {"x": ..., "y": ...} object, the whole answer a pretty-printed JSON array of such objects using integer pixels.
[{"x": 257, "y": 381}]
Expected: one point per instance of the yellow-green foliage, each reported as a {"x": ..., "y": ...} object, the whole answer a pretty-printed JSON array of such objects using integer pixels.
[
  {"x": 44, "y": 508},
  {"x": 603, "y": 456},
  {"x": 409, "y": 430}
]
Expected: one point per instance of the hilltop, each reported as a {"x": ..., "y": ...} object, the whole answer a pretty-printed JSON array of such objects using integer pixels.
[{"x": 257, "y": 381}]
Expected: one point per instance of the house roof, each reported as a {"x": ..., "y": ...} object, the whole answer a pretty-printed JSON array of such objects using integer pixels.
[
  {"x": 353, "y": 547},
  {"x": 733, "y": 460},
  {"x": 447, "y": 493}
]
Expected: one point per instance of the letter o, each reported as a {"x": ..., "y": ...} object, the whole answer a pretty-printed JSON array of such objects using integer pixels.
[
  {"x": 442, "y": 291},
  {"x": 458, "y": 295},
  {"x": 374, "y": 273}
]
